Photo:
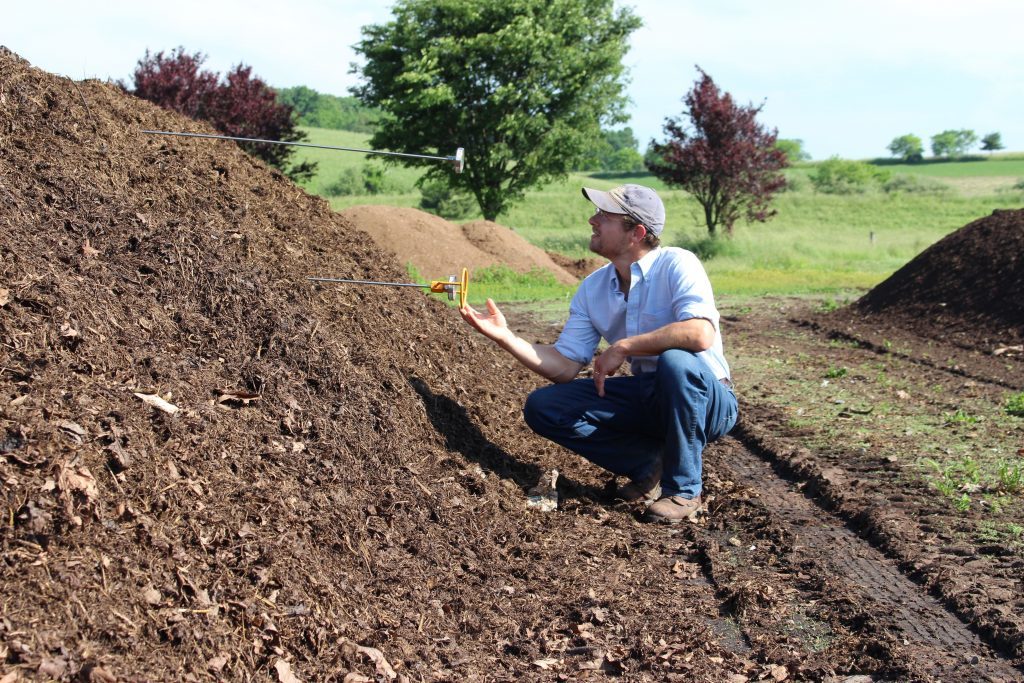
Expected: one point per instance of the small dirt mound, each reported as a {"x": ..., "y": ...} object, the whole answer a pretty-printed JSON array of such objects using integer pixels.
[
  {"x": 434, "y": 246},
  {"x": 965, "y": 289},
  {"x": 581, "y": 267},
  {"x": 438, "y": 248},
  {"x": 513, "y": 251}
]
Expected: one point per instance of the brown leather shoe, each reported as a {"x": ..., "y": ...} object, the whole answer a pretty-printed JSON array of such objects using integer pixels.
[
  {"x": 674, "y": 509},
  {"x": 646, "y": 489}
]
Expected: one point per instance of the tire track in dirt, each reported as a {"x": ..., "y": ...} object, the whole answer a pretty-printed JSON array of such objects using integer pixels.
[
  {"x": 971, "y": 363},
  {"x": 936, "y": 643}
]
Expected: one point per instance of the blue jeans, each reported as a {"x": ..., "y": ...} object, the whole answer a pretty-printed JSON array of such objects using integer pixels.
[{"x": 669, "y": 415}]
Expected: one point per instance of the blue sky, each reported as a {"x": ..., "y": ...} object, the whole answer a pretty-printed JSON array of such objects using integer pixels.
[{"x": 845, "y": 76}]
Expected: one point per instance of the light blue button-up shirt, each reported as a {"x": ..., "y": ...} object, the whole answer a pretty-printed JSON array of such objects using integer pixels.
[{"x": 667, "y": 285}]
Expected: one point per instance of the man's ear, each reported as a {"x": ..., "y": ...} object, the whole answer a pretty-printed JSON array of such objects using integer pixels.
[{"x": 644, "y": 233}]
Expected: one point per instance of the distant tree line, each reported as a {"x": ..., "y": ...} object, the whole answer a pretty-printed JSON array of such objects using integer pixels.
[
  {"x": 318, "y": 110},
  {"x": 947, "y": 144}
]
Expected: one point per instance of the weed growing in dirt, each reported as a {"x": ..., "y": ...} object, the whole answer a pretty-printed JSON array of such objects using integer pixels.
[
  {"x": 960, "y": 417},
  {"x": 1015, "y": 405},
  {"x": 835, "y": 373},
  {"x": 843, "y": 344},
  {"x": 954, "y": 479},
  {"x": 1011, "y": 477}
]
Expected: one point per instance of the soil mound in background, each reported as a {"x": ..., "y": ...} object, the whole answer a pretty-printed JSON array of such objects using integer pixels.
[
  {"x": 513, "y": 251},
  {"x": 580, "y": 268},
  {"x": 965, "y": 289},
  {"x": 438, "y": 248}
]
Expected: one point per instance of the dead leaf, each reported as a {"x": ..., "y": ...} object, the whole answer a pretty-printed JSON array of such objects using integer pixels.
[
  {"x": 217, "y": 663},
  {"x": 284, "y": 672},
  {"x": 100, "y": 675},
  {"x": 66, "y": 330},
  {"x": 230, "y": 395},
  {"x": 53, "y": 668},
  {"x": 779, "y": 673},
  {"x": 1006, "y": 349},
  {"x": 88, "y": 251},
  {"x": 72, "y": 430},
  {"x": 81, "y": 481},
  {"x": 158, "y": 403},
  {"x": 545, "y": 663},
  {"x": 356, "y": 678},
  {"x": 145, "y": 324},
  {"x": 375, "y": 655},
  {"x": 5, "y": 296},
  {"x": 152, "y": 596},
  {"x": 9, "y": 677}
]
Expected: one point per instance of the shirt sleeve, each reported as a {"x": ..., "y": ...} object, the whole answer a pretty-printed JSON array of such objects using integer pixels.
[
  {"x": 692, "y": 297},
  {"x": 579, "y": 338}
]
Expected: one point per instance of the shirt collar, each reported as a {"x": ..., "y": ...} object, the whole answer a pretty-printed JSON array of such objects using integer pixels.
[
  {"x": 648, "y": 260},
  {"x": 644, "y": 264}
]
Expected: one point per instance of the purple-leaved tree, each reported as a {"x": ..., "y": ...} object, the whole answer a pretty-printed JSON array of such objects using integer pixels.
[
  {"x": 242, "y": 105},
  {"x": 725, "y": 159}
]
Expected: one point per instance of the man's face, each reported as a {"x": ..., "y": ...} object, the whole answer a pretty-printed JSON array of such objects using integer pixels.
[{"x": 611, "y": 235}]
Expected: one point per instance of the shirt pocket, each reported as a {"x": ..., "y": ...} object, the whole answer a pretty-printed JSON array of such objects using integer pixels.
[{"x": 652, "y": 320}]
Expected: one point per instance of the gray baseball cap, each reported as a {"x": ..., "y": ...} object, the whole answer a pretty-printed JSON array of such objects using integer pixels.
[{"x": 640, "y": 203}]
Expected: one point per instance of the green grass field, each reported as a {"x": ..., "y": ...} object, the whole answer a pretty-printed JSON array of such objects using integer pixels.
[{"x": 817, "y": 243}]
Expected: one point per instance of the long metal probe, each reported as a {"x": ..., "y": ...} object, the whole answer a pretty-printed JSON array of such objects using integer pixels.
[
  {"x": 367, "y": 282},
  {"x": 450, "y": 286},
  {"x": 457, "y": 158}
]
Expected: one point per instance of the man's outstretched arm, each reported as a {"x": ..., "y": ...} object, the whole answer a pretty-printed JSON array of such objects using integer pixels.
[{"x": 543, "y": 359}]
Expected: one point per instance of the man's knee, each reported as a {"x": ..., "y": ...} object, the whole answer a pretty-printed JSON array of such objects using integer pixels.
[
  {"x": 537, "y": 409},
  {"x": 681, "y": 366}
]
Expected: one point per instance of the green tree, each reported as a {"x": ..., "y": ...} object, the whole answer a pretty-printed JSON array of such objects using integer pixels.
[
  {"x": 727, "y": 160},
  {"x": 793, "y": 149},
  {"x": 319, "y": 110},
  {"x": 992, "y": 142},
  {"x": 523, "y": 85},
  {"x": 842, "y": 176},
  {"x": 616, "y": 150},
  {"x": 907, "y": 147},
  {"x": 953, "y": 143}
]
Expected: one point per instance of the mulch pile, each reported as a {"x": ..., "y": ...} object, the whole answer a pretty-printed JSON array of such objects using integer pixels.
[
  {"x": 212, "y": 468},
  {"x": 966, "y": 289}
]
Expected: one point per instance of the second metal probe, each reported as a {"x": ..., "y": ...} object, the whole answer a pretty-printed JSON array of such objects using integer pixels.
[{"x": 458, "y": 160}]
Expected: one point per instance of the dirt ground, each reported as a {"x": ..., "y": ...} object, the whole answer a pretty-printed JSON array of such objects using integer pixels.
[{"x": 213, "y": 469}]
